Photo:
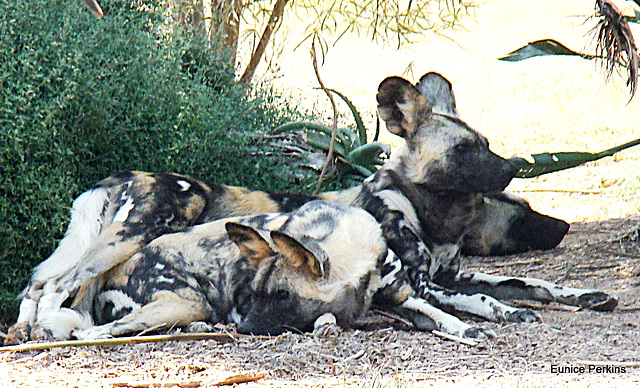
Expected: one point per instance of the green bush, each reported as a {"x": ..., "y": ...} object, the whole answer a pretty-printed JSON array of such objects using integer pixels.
[{"x": 83, "y": 98}]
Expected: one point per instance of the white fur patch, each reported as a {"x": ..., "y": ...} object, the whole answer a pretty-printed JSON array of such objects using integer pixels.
[
  {"x": 444, "y": 322},
  {"x": 396, "y": 201},
  {"x": 123, "y": 212},
  {"x": 119, "y": 299},
  {"x": 442, "y": 256},
  {"x": 234, "y": 316},
  {"x": 164, "y": 279},
  {"x": 94, "y": 332},
  {"x": 391, "y": 276},
  {"x": 84, "y": 229},
  {"x": 478, "y": 304},
  {"x": 50, "y": 303},
  {"x": 159, "y": 266},
  {"x": 555, "y": 290},
  {"x": 184, "y": 185},
  {"x": 64, "y": 321},
  {"x": 28, "y": 309}
]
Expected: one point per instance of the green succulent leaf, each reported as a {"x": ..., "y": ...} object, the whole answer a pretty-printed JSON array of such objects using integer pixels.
[
  {"x": 362, "y": 131},
  {"x": 546, "y": 163},
  {"x": 368, "y": 154},
  {"x": 542, "y": 48}
]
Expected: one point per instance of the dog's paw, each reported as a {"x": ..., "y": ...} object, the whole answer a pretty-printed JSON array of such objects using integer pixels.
[
  {"x": 42, "y": 334},
  {"x": 480, "y": 333},
  {"x": 598, "y": 301},
  {"x": 199, "y": 327},
  {"x": 92, "y": 333},
  {"x": 325, "y": 326},
  {"x": 18, "y": 334},
  {"x": 522, "y": 315}
]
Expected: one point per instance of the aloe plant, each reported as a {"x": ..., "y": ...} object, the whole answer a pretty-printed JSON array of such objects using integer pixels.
[
  {"x": 352, "y": 148},
  {"x": 545, "y": 163}
]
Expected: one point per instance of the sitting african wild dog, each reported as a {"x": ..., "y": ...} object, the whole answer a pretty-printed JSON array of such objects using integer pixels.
[
  {"x": 268, "y": 273},
  {"x": 440, "y": 193}
]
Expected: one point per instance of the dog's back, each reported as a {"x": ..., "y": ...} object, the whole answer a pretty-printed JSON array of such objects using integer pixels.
[{"x": 267, "y": 273}]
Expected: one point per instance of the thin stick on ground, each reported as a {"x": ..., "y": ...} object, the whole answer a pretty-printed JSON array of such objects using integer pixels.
[
  {"x": 242, "y": 378},
  {"x": 334, "y": 128},
  {"x": 451, "y": 337},
  {"x": 219, "y": 337},
  {"x": 147, "y": 384}
]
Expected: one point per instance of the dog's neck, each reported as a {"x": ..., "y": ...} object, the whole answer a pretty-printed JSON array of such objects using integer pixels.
[{"x": 444, "y": 215}]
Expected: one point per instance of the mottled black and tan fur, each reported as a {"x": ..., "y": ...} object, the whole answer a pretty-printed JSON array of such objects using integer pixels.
[
  {"x": 441, "y": 193},
  {"x": 267, "y": 273}
]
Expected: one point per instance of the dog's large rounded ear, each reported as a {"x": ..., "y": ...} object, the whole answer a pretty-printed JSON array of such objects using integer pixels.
[
  {"x": 402, "y": 107},
  {"x": 252, "y": 246},
  {"x": 296, "y": 255},
  {"x": 439, "y": 92}
]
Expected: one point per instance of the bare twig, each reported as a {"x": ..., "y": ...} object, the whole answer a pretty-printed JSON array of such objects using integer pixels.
[
  {"x": 242, "y": 378},
  {"x": 618, "y": 253},
  {"x": 355, "y": 356},
  {"x": 393, "y": 316},
  {"x": 94, "y": 7},
  {"x": 629, "y": 308},
  {"x": 334, "y": 128},
  {"x": 558, "y": 191},
  {"x": 451, "y": 337},
  {"x": 221, "y": 338},
  {"x": 145, "y": 384},
  {"x": 514, "y": 263},
  {"x": 272, "y": 25}
]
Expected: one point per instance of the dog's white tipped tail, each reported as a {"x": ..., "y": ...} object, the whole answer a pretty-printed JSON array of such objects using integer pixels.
[{"x": 84, "y": 228}]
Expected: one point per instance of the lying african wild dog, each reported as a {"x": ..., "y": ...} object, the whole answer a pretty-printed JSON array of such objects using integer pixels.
[
  {"x": 268, "y": 273},
  {"x": 442, "y": 191}
]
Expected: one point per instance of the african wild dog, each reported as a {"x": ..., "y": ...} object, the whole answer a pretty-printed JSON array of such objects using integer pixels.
[
  {"x": 441, "y": 191},
  {"x": 268, "y": 273}
]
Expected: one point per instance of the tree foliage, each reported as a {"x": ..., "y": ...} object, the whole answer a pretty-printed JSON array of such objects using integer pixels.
[{"x": 82, "y": 99}]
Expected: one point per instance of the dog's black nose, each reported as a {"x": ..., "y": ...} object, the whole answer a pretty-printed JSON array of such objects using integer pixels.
[{"x": 510, "y": 169}]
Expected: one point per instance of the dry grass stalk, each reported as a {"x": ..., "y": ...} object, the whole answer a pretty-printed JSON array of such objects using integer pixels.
[
  {"x": 451, "y": 337},
  {"x": 334, "y": 128},
  {"x": 242, "y": 378},
  {"x": 219, "y": 337},
  {"x": 147, "y": 384},
  {"x": 519, "y": 262}
]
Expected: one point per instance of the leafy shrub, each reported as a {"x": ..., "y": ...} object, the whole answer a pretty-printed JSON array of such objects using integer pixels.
[{"x": 83, "y": 98}]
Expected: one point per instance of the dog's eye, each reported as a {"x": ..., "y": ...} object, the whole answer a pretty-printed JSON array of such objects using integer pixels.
[
  {"x": 462, "y": 147},
  {"x": 281, "y": 294}
]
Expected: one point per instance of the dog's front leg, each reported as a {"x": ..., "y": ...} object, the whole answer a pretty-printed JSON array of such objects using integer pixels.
[
  {"x": 506, "y": 287},
  {"x": 397, "y": 294},
  {"x": 427, "y": 317},
  {"x": 481, "y": 305},
  {"x": 168, "y": 309}
]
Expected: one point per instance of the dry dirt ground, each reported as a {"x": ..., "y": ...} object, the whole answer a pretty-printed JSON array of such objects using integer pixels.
[{"x": 599, "y": 252}]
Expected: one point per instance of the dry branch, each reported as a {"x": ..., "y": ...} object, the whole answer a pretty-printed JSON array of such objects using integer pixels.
[
  {"x": 464, "y": 341},
  {"x": 272, "y": 25},
  {"x": 334, "y": 128},
  {"x": 242, "y": 378},
  {"x": 219, "y": 337},
  {"x": 519, "y": 262},
  {"x": 146, "y": 384}
]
